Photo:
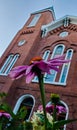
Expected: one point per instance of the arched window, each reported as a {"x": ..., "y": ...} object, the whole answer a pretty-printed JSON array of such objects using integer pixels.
[
  {"x": 66, "y": 66},
  {"x": 46, "y": 54},
  {"x": 12, "y": 63},
  {"x": 28, "y": 101},
  {"x": 62, "y": 111},
  {"x": 9, "y": 63},
  {"x": 58, "y": 50},
  {"x": 45, "y": 57}
]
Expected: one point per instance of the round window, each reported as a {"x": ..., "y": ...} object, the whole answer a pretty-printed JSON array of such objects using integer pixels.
[
  {"x": 63, "y": 34},
  {"x": 20, "y": 43}
]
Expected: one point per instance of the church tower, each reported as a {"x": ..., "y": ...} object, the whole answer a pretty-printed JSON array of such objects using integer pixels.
[
  {"x": 44, "y": 36},
  {"x": 24, "y": 45}
]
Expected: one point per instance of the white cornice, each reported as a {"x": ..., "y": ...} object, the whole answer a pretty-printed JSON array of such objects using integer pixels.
[{"x": 65, "y": 21}]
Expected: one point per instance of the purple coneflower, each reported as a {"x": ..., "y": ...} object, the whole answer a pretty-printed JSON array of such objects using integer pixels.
[
  {"x": 36, "y": 67},
  {"x": 59, "y": 109},
  {"x": 5, "y": 114}
]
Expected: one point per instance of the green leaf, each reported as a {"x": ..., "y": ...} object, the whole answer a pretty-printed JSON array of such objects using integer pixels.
[
  {"x": 22, "y": 113},
  {"x": 28, "y": 126},
  {"x": 7, "y": 109},
  {"x": 42, "y": 118},
  {"x": 58, "y": 124},
  {"x": 0, "y": 126},
  {"x": 3, "y": 95},
  {"x": 49, "y": 126}
]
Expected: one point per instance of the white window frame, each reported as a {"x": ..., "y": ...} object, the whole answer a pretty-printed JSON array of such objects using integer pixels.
[
  {"x": 20, "y": 100},
  {"x": 34, "y": 20},
  {"x": 15, "y": 58},
  {"x": 46, "y": 54},
  {"x": 9, "y": 63},
  {"x": 52, "y": 56},
  {"x": 64, "y": 66}
]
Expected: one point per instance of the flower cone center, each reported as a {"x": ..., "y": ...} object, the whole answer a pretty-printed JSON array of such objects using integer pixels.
[
  {"x": 37, "y": 58},
  {"x": 2, "y": 111}
]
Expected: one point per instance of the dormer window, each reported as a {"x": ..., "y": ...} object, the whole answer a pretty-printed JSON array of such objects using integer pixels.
[{"x": 34, "y": 20}]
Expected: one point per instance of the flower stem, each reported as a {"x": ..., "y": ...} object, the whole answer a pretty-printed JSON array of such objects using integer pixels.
[
  {"x": 54, "y": 113},
  {"x": 42, "y": 91}
]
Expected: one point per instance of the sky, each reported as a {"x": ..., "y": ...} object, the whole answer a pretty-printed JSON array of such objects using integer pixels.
[{"x": 15, "y": 13}]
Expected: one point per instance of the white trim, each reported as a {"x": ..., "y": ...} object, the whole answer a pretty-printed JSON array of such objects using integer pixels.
[
  {"x": 21, "y": 42},
  {"x": 51, "y": 9},
  {"x": 34, "y": 20},
  {"x": 12, "y": 63},
  {"x": 52, "y": 83},
  {"x": 6, "y": 63},
  {"x": 18, "y": 103},
  {"x": 46, "y": 54},
  {"x": 57, "y": 23},
  {"x": 67, "y": 112},
  {"x": 64, "y": 66},
  {"x": 63, "y": 34},
  {"x": 9, "y": 63},
  {"x": 3, "y": 74},
  {"x": 52, "y": 56}
]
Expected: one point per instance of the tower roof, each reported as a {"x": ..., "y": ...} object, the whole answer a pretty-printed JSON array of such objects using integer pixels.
[{"x": 51, "y": 9}]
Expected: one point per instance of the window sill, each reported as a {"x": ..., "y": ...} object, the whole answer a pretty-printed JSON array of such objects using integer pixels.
[
  {"x": 3, "y": 74},
  {"x": 53, "y": 83}
]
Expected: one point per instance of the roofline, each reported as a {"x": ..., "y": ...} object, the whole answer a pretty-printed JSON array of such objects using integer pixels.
[
  {"x": 62, "y": 21},
  {"x": 51, "y": 9}
]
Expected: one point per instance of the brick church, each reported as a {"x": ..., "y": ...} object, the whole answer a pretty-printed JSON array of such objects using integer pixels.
[{"x": 43, "y": 35}]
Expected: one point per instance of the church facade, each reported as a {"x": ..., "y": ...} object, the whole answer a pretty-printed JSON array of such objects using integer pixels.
[{"x": 43, "y": 35}]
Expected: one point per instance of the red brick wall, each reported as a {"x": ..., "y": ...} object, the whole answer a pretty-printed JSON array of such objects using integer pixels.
[{"x": 36, "y": 46}]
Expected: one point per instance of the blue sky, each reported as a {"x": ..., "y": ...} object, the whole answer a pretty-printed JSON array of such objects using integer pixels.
[{"x": 14, "y": 14}]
